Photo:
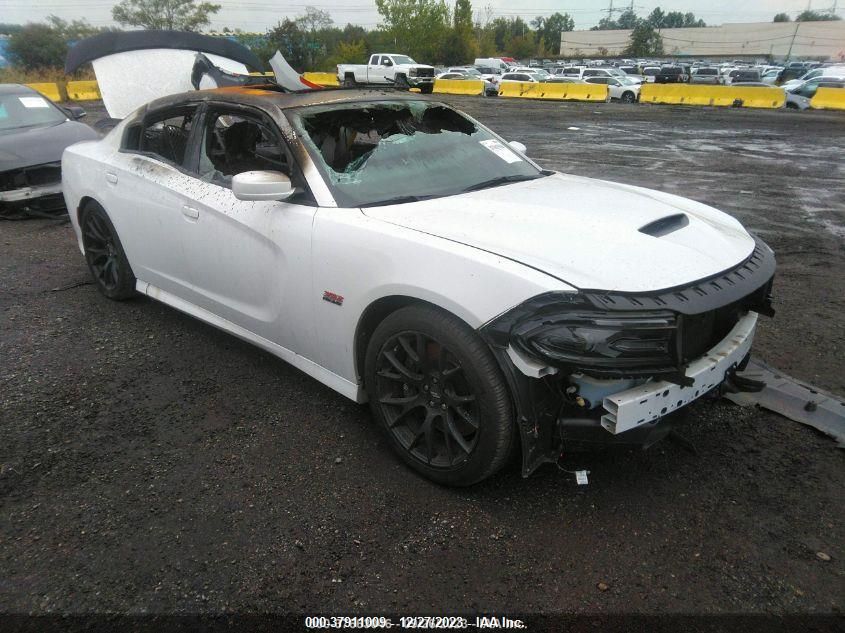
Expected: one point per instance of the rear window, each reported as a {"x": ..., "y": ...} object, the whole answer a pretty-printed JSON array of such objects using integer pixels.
[{"x": 707, "y": 71}]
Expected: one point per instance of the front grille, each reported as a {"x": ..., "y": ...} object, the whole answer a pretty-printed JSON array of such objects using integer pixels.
[
  {"x": 425, "y": 72},
  {"x": 44, "y": 174},
  {"x": 701, "y": 332},
  {"x": 34, "y": 176}
]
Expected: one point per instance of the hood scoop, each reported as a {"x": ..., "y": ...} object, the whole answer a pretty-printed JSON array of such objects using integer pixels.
[{"x": 664, "y": 226}]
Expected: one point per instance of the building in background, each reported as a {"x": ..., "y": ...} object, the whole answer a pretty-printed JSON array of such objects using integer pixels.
[{"x": 773, "y": 40}]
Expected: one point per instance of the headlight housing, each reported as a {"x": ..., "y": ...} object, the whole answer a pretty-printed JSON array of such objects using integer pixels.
[{"x": 583, "y": 338}]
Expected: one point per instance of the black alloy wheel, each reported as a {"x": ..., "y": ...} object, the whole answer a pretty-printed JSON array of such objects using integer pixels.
[
  {"x": 438, "y": 393},
  {"x": 429, "y": 407},
  {"x": 628, "y": 97},
  {"x": 104, "y": 254}
]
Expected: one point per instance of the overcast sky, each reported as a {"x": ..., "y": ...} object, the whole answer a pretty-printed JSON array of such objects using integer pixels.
[{"x": 258, "y": 15}]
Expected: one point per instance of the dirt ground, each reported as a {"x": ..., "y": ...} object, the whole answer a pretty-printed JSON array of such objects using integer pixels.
[{"x": 152, "y": 464}]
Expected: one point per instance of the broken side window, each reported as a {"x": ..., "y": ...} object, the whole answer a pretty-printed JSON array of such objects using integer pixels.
[
  {"x": 166, "y": 134},
  {"x": 235, "y": 143},
  {"x": 377, "y": 151}
]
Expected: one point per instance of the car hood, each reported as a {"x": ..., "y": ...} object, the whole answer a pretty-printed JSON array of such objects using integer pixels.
[
  {"x": 38, "y": 145},
  {"x": 585, "y": 232}
]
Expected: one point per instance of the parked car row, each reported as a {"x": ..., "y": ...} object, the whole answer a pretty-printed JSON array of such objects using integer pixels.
[{"x": 624, "y": 86}]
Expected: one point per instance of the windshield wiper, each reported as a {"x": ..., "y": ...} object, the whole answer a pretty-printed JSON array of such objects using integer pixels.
[
  {"x": 397, "y": 200},
  {"x": 501, "y": 180}
]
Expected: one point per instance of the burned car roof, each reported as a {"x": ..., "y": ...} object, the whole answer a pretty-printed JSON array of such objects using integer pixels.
[{"x": 272, "y": 95}]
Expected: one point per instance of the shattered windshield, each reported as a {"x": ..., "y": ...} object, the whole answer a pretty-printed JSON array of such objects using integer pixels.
[
  {"x": 399, "y": 151},
  {"x": 27, "y": 110}
]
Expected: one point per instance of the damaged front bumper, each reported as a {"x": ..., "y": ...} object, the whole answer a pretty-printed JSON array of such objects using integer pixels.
[
  {"x": 35, "y": 190},
  {"x": 639, "y": 405},
  {"x": 30, "y": 193},
  {"x": 594, "y": 367}
]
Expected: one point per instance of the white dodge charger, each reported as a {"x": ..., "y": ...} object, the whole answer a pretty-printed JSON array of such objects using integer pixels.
[{"x": 403, "y": 254}]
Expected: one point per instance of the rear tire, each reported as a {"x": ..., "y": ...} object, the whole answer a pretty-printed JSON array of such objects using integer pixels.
[
  {"x": 436, "y": 390},
  {"x": 104, "y": 254},
  {"x": 349, "y": 81}
]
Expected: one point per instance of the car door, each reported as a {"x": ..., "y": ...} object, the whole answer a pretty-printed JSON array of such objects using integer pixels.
[
  {"x": 806, "y": 92},
  {"x": 145, "y": 194},
  {"x": 249, "y": 260},
  {"x": 376, "y": 70},
  {"x": 388, "y": 69}
]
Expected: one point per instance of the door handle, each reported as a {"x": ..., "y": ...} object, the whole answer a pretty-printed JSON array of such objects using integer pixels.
[
  {"x": 111, "y": 177},
  {"x": 190, "y": 212}
]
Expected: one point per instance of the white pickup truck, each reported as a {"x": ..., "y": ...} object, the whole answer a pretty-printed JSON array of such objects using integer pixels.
[{"x": 390, "y": 69}]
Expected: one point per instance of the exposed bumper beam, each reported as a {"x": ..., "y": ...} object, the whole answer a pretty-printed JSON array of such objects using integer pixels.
[{"x": 639, "y": 405}]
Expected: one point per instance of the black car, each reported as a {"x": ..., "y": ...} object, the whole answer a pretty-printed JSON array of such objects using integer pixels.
[
  {"x": 743, "y": 76},
  {"x": 34, "y": 132},
  {"x": 671, "y": 75}
]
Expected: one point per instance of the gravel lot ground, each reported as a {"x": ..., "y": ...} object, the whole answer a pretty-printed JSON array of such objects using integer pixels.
[{"x": 151, "y": 464}]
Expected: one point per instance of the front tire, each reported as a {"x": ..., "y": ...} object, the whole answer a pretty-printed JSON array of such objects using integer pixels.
[
  {"x": 439, "y": 395},
  {"x": 104, "y": 254},
  {"x": 401, "y": 83},
  {"x": 628, "y": 97},
  {"x": 426, "y": 89}
]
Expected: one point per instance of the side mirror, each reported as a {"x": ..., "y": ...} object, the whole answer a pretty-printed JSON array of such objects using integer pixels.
[
  {"x": 519, "y": 147},
  {"x": 75, "y": 112},
  {"x": 388, "y": 63},
  {"x": 261, "y": 185}
]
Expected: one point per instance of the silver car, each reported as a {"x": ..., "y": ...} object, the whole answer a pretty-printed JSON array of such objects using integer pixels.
[
  {"x": 799, "y": 97},
  {"x": 705, "y": 76}
]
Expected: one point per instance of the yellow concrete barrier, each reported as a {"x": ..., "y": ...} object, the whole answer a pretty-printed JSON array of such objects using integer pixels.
[
  {"x": 321, "y": 79},
  {"x": 519, "y": 89},
  {"x": 458, "y": 86},
  {"x": 573, "y": 91},
  {"x": 758, "y": 97},
  {"x": 83, "y": 91},
  {"x": 829, "y": 98},
  {"x": 49, "y": 90},
  {"x": 557, "y": 91},
  {"x": 686, "y": 94}
]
